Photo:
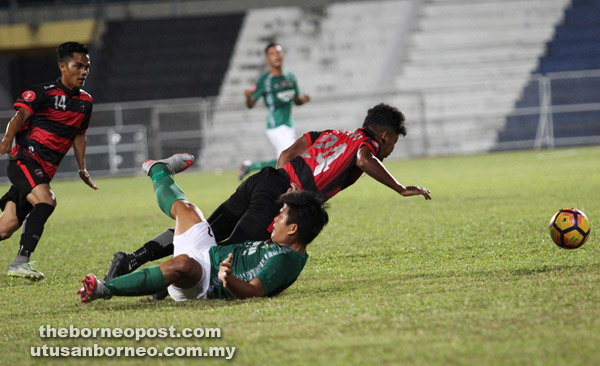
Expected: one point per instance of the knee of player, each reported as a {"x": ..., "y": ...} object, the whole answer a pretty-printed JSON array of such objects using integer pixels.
[
  {"x": 184, "y": 264},
  {"x": 47, "y": 199},
  {"x": 6, "y": 231},
  {"x": 4, "y": 234},
  {"x": 183, "y": 208},
  {"x": 50, "y": 201}
]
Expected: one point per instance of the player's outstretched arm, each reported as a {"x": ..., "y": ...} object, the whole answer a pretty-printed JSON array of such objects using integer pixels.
[
  {"x": 250, "y": 101},
  {"x": 368, "y": 163},
  {"x": 79, "y": 147},
  {"x": 289, "y": 154},
  {"x": 239, "y": 288},
  {"x": 14, "y": 125}
]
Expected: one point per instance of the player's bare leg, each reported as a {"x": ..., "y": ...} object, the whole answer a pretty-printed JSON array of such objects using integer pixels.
[
  {"x": 182, "y": 270},
  {"x": 43, "y": 201},
  {"x": 9, "y": 223}
]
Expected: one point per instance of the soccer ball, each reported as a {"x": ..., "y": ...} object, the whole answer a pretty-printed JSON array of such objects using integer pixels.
[{"x": 569, "y": 228}]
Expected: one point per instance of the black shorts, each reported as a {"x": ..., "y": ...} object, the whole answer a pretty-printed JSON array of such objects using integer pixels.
[
  {"x": 247, "y": 214},
  {"x": 24, "y": 176}
]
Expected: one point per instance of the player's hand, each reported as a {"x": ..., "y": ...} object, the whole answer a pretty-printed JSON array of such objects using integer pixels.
[
  {"x": 305, "y": 98},
  {"x": 294, "y": 188},
  {"x": 85, "y": 177},
  {"x": 225, "y": 269},
  {"x": 247, "y": 93},
  {"x": 416, "y": 190},
  {"x": 5, "y": 146}
]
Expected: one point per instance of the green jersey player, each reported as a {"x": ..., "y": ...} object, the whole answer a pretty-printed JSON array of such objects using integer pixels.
[
  {"x": 279, "y": 89},
  {"x": 199, "y": 268}
]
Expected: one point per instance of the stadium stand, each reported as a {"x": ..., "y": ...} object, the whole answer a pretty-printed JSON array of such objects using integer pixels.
[
  {"x": 331, "y": 50},
  {"x": 470, "y": 59},
  {"x": 574, "y": 47},
  {"x": 457, "y": 68},
  {"x": 189, "y": 57}
]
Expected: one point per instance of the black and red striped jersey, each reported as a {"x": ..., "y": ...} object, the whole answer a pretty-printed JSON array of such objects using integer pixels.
[
  {"x": 59, "y": 115},
  {"x": 329, "y": 163}
]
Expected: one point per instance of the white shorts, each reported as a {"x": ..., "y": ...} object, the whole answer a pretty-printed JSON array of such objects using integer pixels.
[
  {"x": 281, "y": 137},
  {"x": 195, "y": 242}
]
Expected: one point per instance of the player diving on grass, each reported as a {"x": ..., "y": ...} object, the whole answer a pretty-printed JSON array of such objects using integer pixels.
[
  {"x": 327, "y": 162},
  {"x": 199, "y": 268}
]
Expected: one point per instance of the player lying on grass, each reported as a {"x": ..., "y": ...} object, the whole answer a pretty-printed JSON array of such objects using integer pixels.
[
  {"x": 199, "y": 268},
  {"x": 326, "y": 161}
]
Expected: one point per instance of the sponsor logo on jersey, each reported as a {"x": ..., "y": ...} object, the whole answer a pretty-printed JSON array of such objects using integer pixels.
[
  {"x": 28, "y": 96},
  {"x": 39, "y": 173},
  {"x": 31, "y": 150},
  {"x": 286, "y": 95}
]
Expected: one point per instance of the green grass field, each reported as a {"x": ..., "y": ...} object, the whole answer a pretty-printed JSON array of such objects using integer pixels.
[{"x": 469, "y": 278}]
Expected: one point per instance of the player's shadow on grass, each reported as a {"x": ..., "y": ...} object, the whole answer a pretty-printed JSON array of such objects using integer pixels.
[
  {"x": 497, "y": 273},
  {"x": 552, "y": 268},
  {"x": 143, "y": 304}
]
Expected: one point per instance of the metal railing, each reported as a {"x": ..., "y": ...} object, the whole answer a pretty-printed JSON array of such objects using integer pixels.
[
  {"x": 111, "y": 151},
  {"x": 124, "y": 134},
  {"x": 548, "y": 107}
]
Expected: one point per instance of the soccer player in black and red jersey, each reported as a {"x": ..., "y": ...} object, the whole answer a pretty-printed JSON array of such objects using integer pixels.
[
  {"x": 326, "y": 161},
  {"x": 50, "y": 119}
]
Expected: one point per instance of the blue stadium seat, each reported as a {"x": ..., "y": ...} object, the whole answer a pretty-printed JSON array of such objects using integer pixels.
[{"x": 575, "y": 47}]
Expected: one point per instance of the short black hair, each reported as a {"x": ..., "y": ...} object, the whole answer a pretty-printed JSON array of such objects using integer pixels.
[
  {"x": 272, "y": 44},
  {"x": 66, "y": 50},
  {"x": 307, "y": 210},
  {"x": 385, "y": 117}
]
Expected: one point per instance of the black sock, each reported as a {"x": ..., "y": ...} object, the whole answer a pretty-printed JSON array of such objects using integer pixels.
[
  {"x": 33, "y": 227},
  {"x": 159, "y": 247}
]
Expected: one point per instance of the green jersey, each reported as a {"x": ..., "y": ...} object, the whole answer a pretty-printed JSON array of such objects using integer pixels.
[
  {"x": 278, "y": 93},
  {"x": 276, "y": 266}
]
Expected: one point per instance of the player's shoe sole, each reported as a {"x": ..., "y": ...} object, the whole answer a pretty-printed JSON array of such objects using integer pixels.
[
  {"x": 118, "y": 267},
  {"x": 176, "y": 163},
  {"x": 244, "y": 169},
  {"x": 92, "y": 289},
  {"x": 25, "y": 271}
]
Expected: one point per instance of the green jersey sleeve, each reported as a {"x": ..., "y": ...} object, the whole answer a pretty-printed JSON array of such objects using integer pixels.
[
  {"x": 296, "y": 87},
  {"x": 259, "y": 88},
  {"x": 279, "y": 273}
]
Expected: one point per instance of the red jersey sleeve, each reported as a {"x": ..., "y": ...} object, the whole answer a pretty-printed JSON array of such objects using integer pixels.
[
  {"x": 371, "y": 144},
  {"x": 31, "y": 99}
]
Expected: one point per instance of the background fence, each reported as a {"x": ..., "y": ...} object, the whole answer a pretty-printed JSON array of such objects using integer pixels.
[{"x": 221, "y": 133}]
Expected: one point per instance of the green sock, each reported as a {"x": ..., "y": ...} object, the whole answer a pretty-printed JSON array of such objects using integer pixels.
[
  {"x": 261, "y": 164},
  {"x": 145, "y": 281},
  {"x": 167, "y": 191}
]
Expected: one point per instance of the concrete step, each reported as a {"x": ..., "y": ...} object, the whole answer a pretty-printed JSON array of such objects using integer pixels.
[
  {"x": 488, "y": 68},
  {"x": 480, "y": 38},
  {"x": 499, "y": 8},
  {"x": 520, "y": 20},
  {"x": 482, "y": 55}
]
